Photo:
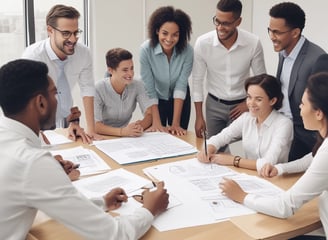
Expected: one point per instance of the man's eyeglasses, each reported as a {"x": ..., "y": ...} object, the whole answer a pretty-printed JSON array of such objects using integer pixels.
[
  {"x": 68, "y": 34},
  {"x": 277, "y": 33},
  {"x": 217, "y": 23}
]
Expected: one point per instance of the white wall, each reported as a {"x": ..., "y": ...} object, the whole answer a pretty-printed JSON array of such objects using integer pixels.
[
  {"x": 123, "y": 24},
  {"x": 315, "y": 26}
]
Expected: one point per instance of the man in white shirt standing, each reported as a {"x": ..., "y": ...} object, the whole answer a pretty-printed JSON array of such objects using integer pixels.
[
  {"x": 33, "y": 180},
  {"x": 69, "y": 62},
  {"x": 226, "y": 56}
]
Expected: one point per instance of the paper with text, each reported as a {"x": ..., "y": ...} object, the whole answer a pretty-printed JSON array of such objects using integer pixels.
[
  {"x": 149, "y": 146},
  {"x": 90, "y": 162},
  {"x": 97, "y": 186},
  {"x": 195, "y": 184}
]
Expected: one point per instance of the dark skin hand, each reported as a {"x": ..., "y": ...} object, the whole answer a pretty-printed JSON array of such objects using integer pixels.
[
  {"x": 238, "y": 110},
  {"x": 75, "y": 115},
  {"x": 156, "y": 201},
  {"x": 69, "y": 168},
  {"x": 74, "y": 129},
  {"x": 115, "y": 198}
]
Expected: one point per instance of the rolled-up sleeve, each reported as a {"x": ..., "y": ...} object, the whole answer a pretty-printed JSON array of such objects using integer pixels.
[{"x": 180, "y": 89}]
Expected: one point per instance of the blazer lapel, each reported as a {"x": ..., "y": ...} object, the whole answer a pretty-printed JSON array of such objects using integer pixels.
[
  {"x": 297, "y": 65},
  {"x": 280, "y": 63}
]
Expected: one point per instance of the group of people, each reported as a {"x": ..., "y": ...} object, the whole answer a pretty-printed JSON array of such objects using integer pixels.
[{"x": 277, "y": 118}]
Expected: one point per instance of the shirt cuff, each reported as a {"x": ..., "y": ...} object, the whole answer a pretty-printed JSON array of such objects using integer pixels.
[
  {"x": 249, "y": 200},
  {"x": 100, "y": 202},
  {"x": 279, "y": 169},
  {"x": 179, "y": 94}
]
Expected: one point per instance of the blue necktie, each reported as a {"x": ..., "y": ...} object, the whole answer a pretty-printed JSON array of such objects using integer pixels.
[{"x": 65, "y": 100}]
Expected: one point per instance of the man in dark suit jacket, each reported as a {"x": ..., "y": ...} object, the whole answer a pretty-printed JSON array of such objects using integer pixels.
[{"x": 297, "y": 57}]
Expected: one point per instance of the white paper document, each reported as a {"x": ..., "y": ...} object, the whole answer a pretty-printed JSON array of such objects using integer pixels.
[
  {"x": 97, "y": 186},
  {"x": 196, "y": 185},
  {"x": 89, "y": 161},
  {"x": 132, "y": 204},
  {"x": 149, "y": 146},
  {"x": 56, "y": 138}
]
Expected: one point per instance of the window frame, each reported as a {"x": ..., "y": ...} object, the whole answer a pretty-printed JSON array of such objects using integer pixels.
[{"x": 29, "y": 22}]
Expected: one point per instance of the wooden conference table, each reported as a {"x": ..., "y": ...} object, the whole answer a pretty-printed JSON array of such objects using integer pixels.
[{"x": 254, "y": 226}]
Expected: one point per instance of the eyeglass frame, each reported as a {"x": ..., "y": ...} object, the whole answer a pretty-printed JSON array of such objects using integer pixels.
[
  {"x": 223, "y": 24},
  {"x": 69, "y": 34},
  {"x": 277, "y": 33}
]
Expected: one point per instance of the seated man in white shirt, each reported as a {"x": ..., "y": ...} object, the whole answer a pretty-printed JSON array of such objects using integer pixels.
[{"x": 34, "y": 180}]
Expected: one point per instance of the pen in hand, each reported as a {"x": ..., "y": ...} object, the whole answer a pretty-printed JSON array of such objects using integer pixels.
[
  {"x": 205, "y": 146},
  {"x": 76, "y": 166}
]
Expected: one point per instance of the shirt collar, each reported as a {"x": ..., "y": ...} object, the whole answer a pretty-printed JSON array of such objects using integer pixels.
[
  {"x": 158, "y": 50},
  {"x": 293, "y": 54},
  {"x": 239, "y": 41},
  {"x": 270, "y": 119},
  {"x": 52, "y": 55},
  {"x": 20, "y": 129}
]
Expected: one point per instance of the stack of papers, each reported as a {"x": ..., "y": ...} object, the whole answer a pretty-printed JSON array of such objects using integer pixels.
[
  {"x": 89, "y": 161},
  {"x": 196, "y": 185},
  {"x": 149, "y": 146},
  {"x": 97, "y": 186}
]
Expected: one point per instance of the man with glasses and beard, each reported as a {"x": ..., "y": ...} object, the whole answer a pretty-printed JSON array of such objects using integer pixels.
[
  {"x": 69, "y": 62},
  {"x": 225, "y": 56},
  {"x": 297, "y": 57}
]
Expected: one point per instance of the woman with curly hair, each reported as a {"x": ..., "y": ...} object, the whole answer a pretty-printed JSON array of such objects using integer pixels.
[{"x": 166, "y": 60}]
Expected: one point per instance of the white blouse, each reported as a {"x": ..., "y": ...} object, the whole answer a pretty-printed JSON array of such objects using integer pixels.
[
  {"x": 313, "y": 183},
  {"x": 269, "y": 143}
]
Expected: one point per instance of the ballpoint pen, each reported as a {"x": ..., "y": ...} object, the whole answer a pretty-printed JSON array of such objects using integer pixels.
[
  {"x": 138, "y": 197},
  {"x": 205, "y": 145},
  {"x": 76, "y": 166}
]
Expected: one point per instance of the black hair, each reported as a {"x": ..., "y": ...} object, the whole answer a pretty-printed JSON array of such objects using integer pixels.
[
  {"x": 20, "y": 81},
  {"x": 291, "y": 12},
  {"x": 233, "y": 6},
  {"x": 317, "y": 89}
]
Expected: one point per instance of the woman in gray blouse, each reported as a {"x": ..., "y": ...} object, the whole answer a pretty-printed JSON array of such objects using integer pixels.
[{"x": 117, "y": 96}]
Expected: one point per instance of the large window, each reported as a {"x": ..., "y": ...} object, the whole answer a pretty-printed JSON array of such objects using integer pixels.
[
  {"x": 12, "y": 38},
  {"x": 41, "y": 9},
  {"x": 15, "y": 33}
]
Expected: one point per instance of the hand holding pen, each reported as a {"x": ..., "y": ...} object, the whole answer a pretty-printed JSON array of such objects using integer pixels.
[
  {"x": 156, "y": 201},
  {"x": 115, "y": 198},
  {"x": 207, "y": 152},
  {"x": 69, "y": 167}
]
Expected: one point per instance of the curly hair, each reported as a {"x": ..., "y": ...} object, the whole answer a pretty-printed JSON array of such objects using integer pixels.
[{"x": 169, "y": 14}]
